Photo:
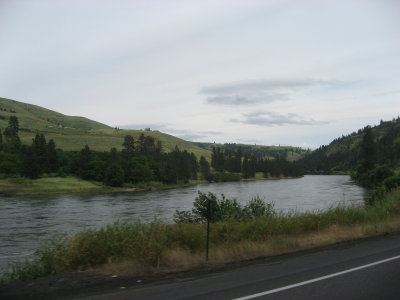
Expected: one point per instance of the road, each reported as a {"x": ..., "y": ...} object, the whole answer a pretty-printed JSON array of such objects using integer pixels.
[{"x": 364, "y": 269}]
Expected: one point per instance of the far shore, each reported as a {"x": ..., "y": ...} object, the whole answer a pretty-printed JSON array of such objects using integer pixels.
[{"x": 10, "y": 187}]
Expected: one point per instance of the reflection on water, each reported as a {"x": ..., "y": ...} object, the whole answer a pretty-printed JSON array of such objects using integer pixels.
[{"x": 26, "y": 222}]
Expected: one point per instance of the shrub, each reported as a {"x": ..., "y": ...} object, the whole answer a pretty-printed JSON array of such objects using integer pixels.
[
  {"x": 223, "y": 209},
  {"x": 391, "y": 183}
]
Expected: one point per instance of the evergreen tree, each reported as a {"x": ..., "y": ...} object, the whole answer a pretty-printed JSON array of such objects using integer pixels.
[
  {"x": 85, "y": 156},
  {"x": 368, "y": 150},
  {"x": 113, "y": 155},
  {"x": 194, "y": 166},
  {"x": 205, "y": 168},
  {"x": 30, "y": 167},
  {"x": 217, "y": 159},
  {"x": 1, "y": 141},
  {"x": 237, "y": 161},
  {"x": 167, "y": 171},
  {"x": 11, "y": 133},
  {"x": 246, "y": 167},
  {"x": 39, "y": 151},
  {"x": 114, "y": 175},
  {"x": 52, "y": 157},
  {"x": 129, "y": 145}
]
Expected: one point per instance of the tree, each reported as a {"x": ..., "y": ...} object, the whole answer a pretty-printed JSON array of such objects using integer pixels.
[
  {"x": 52, "y": 157},
  {"x": 368, "y": 150},
  {"x": 9, "y": 163},
  {"x": 138, "y": 169},
  {"x": 246, "y": 171},
  {"x": 84, "y": 160},
  {"x": 30, "y": 167},
  {"x": 39, "y": 152},
  {"x": 129, "y": 145},
  {"x": 1, "y": 141},
  {"x": 114, "y": 175},
  {"x": 205, "y": 168},
  {"x": 217, "y": 159},
  {"x": 11, "y": 133}
]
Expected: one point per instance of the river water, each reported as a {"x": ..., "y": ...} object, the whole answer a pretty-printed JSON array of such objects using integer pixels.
[{"x": 27, "y": 221}]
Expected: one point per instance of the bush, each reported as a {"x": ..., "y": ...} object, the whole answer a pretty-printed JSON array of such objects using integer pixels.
[
  {"x": 391, "y": 183},
  {"x": 258, "y": 207},
  {"x": 375, "y": 177},
  {"x": 223, "y": 209}
]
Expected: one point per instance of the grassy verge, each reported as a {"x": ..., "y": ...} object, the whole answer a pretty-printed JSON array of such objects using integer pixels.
[{"x": 137, "y": 249}]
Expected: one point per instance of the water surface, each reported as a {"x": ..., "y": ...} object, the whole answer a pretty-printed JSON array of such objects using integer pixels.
[{"x": 26, "y": 221}]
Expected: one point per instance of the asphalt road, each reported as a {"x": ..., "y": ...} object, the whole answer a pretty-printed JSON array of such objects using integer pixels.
[{"x": 364, "y": 269}]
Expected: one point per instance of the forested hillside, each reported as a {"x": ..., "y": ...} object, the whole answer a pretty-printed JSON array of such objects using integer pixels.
[
  {"x": 259, "y": 151},
  {"x": 347, "y": 153}
]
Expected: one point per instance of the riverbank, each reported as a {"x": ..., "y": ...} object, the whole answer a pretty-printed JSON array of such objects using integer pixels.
[
  {"x": 20, "y": 186},
  {"x": 67, "y": 185},
  {"x": 124, "y": 249}
]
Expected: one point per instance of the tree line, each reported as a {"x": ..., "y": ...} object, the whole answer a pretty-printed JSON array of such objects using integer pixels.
[
  {"x": 233, "y": 160},
  {"x": 140, "y": 160},
  {"x": 348, "y": 152}
]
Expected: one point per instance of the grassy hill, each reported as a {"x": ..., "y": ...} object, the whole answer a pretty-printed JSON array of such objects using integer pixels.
[
  {"x": 73, "y": 133},
  {"x": 34, "y": 117}
]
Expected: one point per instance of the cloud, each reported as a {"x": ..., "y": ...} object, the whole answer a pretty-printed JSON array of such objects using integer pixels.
[
  {"x": 256, "y": 91},
  {"x": 275, "y": 119},
  {"x": 246, "y": 99},
  {"x": 393, "y": 92}
]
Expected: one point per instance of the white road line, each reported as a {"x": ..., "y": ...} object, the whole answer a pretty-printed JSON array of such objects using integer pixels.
[{"x": 316, "y": 279}]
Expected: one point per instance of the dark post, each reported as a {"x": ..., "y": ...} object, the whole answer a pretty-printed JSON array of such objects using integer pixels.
[{"x": 208, "y": 227}]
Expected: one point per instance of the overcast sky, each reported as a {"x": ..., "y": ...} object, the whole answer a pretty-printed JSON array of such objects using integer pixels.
[{"x": 268, "y": 72}]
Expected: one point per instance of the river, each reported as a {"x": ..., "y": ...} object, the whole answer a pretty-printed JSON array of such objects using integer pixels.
[{"x": 27, "y": 221}]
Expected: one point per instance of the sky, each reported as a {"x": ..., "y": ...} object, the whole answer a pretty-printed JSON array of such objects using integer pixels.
[{"x": 295, "y": 72}]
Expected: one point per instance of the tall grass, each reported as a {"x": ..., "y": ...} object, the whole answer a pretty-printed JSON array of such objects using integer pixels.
[{"x": 155, "y": 244}]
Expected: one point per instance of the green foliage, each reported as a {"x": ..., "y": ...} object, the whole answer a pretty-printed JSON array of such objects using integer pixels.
[
  {"x": 234, "y": 161},
  {"x": 205, "y": 169},
  {"x": 387, "y": 185},
  {"x": 362, "y": 150},
  {"x": 368, "y": 151},
  {"x": 9, "y": 163},
  {"x": 257, "y": 207},
  {"x": 374, "y": 177},
  {"x": 209, "y": 206},
  {"x": 114, "y": 175},
  {"x": 140, "y": 169},
  {"x": 225, "y": 177},
  {"x": 391, "y": 183}
]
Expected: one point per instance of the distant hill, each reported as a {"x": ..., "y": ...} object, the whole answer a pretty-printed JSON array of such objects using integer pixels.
[
  {"x": 260, "y": 151},
  {"x": 33, "y": 117},
  {"x": 343, "y": 154},
  {"x": 73, "y": 133}
]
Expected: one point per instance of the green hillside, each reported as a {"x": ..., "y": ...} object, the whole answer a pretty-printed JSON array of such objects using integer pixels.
[
  {"x": 260, "y": 151},
  {"x": 73, "y": 133},
  {"x": 33, "y": 117},
  {"x": 344, "y": 153}
]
